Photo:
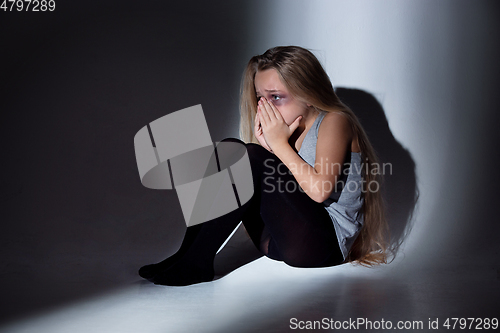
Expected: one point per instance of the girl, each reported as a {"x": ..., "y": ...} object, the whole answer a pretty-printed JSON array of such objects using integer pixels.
[{"x": 316, "y": 199}]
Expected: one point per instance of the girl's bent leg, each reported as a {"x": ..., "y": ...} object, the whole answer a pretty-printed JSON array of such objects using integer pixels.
[
  {"x": 194, "y": 264},
  {"x": 285, "y": 223}
]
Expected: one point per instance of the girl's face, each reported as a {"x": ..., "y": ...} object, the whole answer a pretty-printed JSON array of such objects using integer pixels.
[{"x": 269, "y": 85}]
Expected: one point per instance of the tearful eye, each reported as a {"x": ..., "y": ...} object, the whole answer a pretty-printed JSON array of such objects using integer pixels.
[{"x": 276, "y": 97}]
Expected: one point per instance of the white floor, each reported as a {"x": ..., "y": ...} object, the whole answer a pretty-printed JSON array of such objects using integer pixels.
[{"x": 265, "y": 295}]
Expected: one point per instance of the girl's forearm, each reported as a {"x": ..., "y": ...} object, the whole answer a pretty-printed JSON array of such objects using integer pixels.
[{"x": 317, "y": 186}]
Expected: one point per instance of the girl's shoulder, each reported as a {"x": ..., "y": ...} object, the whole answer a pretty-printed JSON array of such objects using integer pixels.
[
  {"x": 336, "y": 127},
  {"x": 335, "y": 122}
]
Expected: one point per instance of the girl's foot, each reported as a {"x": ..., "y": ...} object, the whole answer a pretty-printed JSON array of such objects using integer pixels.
[
  {"x": 149, "y": 271},
  {"x": 183, "y": 274}
]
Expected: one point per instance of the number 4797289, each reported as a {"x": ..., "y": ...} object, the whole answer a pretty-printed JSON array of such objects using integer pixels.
[{"x": 28, "y": 5}]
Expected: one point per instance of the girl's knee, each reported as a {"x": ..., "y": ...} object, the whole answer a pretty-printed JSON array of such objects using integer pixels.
[
  {"x": 233, "y": 140},
  {"x": 254, "y": 149}
]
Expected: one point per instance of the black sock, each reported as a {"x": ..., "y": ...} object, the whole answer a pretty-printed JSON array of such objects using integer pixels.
[
  {"x": 149, "y": 271},
  {"x": 196, "y": 264}
]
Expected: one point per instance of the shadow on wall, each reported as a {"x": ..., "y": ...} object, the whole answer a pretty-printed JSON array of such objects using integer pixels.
[{"x": 400, "y": 183}]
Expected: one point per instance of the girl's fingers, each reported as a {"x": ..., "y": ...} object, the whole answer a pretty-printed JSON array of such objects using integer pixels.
[
  {"x": 264, "y": 115},
  {"x": 277, "y": 114},
  {"x": 273, "y": 111},
  {"x": 259, "y": 114},
  {"x": 258, "y": 127},
  {"x": 265, "y": 105}
]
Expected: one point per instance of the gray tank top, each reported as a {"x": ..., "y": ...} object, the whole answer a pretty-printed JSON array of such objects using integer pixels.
[{"x": 346, "y": 200}]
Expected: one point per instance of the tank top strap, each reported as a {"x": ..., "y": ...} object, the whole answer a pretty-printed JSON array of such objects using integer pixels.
[
  {"x": 308, "y": 148},
  {"x": 318, "y": 121}
]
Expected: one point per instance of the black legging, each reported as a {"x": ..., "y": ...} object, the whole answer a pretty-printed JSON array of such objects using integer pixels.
[{"x": 284, "y": 222}]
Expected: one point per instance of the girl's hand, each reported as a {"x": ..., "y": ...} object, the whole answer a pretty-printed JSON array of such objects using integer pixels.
[
  {"x": 257, "y": 130},
  {"x": 275, "y": 131}
]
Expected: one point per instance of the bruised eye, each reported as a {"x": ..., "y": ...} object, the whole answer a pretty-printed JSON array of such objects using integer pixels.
[{"x": 276, "y": 97}]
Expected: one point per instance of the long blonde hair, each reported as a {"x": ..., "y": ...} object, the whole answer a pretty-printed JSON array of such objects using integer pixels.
[{"x": 305, "y": 78}]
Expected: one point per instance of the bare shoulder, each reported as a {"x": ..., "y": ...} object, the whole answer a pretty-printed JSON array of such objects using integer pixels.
[
  {"x": 335, "y": 124},
  {"x": 336, "y": 127}
]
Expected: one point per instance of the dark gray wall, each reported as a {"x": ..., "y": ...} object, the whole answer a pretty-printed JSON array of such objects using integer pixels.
[{"x": 76, "y": 85}]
